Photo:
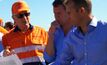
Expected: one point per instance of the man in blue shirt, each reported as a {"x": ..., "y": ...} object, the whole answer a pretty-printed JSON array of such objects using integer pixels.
[
  {"x": 86, "y": 44},
  {"x": 1, "y": 46},
  {"x": 57, "y": 32}
]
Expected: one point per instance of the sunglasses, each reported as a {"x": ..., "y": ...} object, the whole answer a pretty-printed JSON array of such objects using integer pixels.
[{"x": 22, "y": 15}]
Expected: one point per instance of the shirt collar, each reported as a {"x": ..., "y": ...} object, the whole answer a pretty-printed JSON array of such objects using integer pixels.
[
  {"x": 92, "y": 25},
  {"x": 17, "y": 28},
  {"x": 93, "y": 22}
]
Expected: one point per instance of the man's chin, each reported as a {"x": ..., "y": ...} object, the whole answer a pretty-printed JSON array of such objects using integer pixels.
[{"x": 26, "y": 26}]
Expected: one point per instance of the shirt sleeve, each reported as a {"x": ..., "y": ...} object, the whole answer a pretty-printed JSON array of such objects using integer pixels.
[
  {"x": 48, "y": 58},
  {"x": 66, "y": 56},
  {"x": 1, "y": 46}
]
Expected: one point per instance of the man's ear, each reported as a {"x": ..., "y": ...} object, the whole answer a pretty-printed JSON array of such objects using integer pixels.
[{"x": 82, "y": 10}]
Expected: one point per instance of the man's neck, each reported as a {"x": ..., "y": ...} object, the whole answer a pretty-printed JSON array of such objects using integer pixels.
[
  {"x": 23, "y": 31},
  {"x": 84, "y": 25},
  {"x": 66, "y": 29}
]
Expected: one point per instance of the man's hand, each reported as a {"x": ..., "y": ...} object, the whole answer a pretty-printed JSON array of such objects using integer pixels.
[
  {"x": 50, "y": 45},
  {"x": 53, "y": 27},
  {"x": 8, "y": 51}
]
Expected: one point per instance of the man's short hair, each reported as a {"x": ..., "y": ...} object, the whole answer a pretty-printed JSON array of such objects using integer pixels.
[
  {"x": 9, "y": 24},
  {"x": 57, "y": 2},
  {"x": 81, "y": 3}
]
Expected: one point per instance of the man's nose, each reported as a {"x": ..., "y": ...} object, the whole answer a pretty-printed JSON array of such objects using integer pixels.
[{"x": 25, "y": 18}]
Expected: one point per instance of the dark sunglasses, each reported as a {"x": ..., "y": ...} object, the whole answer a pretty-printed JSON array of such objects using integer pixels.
[{"x": 22, "y": 15}]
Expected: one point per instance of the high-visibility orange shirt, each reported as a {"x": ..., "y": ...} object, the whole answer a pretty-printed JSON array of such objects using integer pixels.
[
  {"x": 28, "y": 46},
  {"x": 2, "y": 30}
]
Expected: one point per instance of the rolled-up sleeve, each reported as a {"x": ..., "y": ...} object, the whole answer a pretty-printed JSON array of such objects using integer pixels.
[
  {"x": 66, "y": 56},
  {"x": 48, "y": 58}
]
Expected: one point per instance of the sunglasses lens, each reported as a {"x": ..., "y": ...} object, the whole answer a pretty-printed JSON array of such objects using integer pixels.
[
  {"x": 22, "y": 15},
  {"x": 27, "y": 14}
]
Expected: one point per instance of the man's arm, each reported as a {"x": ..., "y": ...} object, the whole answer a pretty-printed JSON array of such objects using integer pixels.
[
  {"x": 66, "y": 56},
  {"x": 7, "y": 49},
  {"x": 50, "y": 50}
]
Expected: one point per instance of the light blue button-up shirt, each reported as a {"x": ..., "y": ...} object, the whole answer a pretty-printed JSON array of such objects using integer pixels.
[
  {"x": 58, "y": 44},
  {"x": 88, "y": 49}
]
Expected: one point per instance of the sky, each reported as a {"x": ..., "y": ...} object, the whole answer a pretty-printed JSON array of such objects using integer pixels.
[{"x": 42, "y": 11}]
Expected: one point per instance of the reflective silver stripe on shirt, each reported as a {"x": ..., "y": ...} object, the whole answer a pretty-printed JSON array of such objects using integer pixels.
[
  {"x": 33, "y": 59},
  {"x": 29, "y": 48}
]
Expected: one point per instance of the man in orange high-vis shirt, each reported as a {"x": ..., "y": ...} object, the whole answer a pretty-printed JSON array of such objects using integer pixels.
[
  {"x": 2, "y": 30},
  {"x": 1, "y": 22},
  {"x": 28, "y": 42}
]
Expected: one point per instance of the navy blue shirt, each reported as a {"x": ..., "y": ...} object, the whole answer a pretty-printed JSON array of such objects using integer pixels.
[{"x": 1, "y": 46}]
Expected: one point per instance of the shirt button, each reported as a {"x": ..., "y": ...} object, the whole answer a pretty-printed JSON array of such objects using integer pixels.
[
  {"x": 86, "y": 64},
  {"x": 85, "y": 54},
  {"x": 85, "y": 43}
]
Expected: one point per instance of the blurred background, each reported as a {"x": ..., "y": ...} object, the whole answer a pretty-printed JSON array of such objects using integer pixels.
[{"x": 42, "y": 11}]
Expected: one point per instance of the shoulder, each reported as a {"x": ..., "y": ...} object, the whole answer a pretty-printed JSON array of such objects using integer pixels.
[
  {"x": 9, "y": 34},
  {"x": 102, "y": 24},
  {"x": 72, "y": 31},
  {"x": 71, "y": 35},
  {"x": 3, "y": 30},
  {"x": 37, "y": 28},
  {"x": 59, "y": 31},
  {"x": 39, "y": 31}
]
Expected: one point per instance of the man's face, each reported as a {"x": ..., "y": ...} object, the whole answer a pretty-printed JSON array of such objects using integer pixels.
[
  {"x": 60, "y": 14},
  {"x": 72, "y": 12},
  {"x": 1, "y": 23},
  {"x": 22, "y": 20}
]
